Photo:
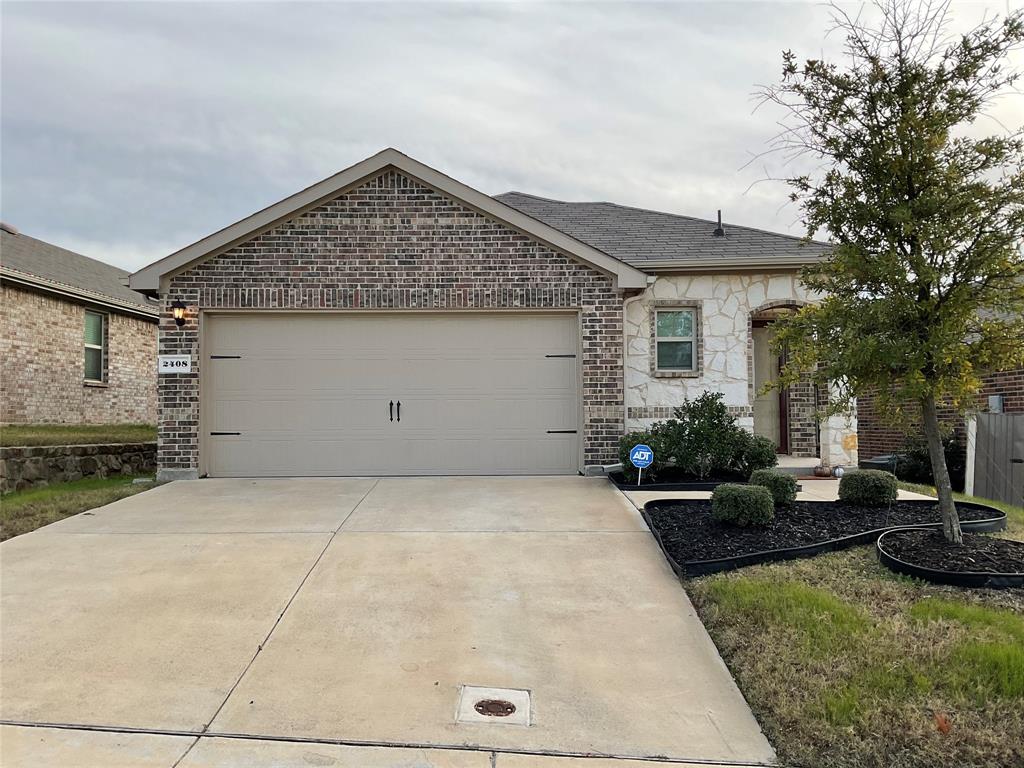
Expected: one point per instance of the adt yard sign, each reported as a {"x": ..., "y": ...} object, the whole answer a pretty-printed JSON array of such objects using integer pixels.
[{"x": 641, "y": 457}]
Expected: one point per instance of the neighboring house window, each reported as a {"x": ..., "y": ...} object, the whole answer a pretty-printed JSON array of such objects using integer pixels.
[
  {"x": 95, "y": 343},
  {"x": 675, "y": 339}
]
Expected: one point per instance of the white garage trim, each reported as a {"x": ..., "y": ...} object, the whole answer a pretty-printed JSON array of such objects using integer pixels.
[{"x": 307, "y": 392}]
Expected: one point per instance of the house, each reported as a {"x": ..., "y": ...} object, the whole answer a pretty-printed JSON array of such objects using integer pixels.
[
  {"x": 77, "y": 345},
  {"x": 392, "y": 320},
  {"x": 877, "y": 437}
]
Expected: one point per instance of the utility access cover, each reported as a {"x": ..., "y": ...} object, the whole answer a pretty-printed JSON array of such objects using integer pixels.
[{"x": 493, "y": 706}]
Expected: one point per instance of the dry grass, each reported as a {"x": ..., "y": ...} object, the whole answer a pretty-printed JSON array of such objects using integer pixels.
[
  {"x": 76, "y": 434},
  {"x": 847, "y": 664}
]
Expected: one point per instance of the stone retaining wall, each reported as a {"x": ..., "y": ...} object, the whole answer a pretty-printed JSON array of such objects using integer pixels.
[{"x": 27, "y": 466}]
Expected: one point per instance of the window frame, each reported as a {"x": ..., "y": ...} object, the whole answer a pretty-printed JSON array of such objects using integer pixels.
[
  {"x": 102, "y": 347},
  {"x": 671, "y": 305}
]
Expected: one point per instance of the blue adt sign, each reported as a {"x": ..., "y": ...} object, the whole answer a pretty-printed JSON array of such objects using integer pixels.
[{"x": 641, "y": 456}]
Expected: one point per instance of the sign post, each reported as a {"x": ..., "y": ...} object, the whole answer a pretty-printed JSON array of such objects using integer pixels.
[{"x": 641, "y": 456}]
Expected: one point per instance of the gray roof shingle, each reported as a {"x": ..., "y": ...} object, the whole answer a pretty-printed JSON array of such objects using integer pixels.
[
  {"x": 641, "y": 237},
  {"x": 49, "y": 265}
]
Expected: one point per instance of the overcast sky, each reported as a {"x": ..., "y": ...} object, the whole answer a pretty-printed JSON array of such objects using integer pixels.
[{"x": 132, "y": 129}]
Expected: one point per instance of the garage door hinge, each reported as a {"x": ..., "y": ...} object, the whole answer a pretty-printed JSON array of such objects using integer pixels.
[
  {"x": 225, "y": 357},
  {"x": 559, "y": 355},
  {"x": 225, "y": 433},
  {"x": 561, "y": 431}
]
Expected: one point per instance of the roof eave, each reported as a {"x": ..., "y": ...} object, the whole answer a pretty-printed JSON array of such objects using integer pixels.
[
  {"x": 148, "y": 278},
  {"x": 666, "y": 266},
  {"x": 82, "y": 295}
]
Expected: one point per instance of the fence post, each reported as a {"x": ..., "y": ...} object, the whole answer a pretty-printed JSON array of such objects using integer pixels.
[{"x": 971, "y": 424}]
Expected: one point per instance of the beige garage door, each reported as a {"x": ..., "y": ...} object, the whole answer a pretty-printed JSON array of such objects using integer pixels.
[{"x": 377, "y": 394}]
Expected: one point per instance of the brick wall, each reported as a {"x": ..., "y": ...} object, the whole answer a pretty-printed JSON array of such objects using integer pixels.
[
  {"x": 803, "y": 419},
  {"x": 42, "y": 364},
  {"x": 394, "y": 244},
  {"x": 876, "y": 437}
]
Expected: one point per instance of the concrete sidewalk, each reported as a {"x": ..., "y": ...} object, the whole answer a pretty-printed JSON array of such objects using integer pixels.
[
  {"x": 811, "y": 489},
  {"x": 355, "y": 610},
  {"x": 41, "y": 746}
]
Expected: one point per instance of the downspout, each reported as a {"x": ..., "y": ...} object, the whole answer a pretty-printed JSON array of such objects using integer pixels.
[{"x": 625, "y": 346}]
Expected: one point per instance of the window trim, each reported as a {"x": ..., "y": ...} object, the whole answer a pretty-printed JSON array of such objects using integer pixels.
[
  {"x": 675, "y": 305},
  {"x": 102, "y": 347}
]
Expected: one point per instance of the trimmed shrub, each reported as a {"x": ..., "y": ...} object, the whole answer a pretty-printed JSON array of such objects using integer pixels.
[
  {"x": 742, "y": 504},
  {"x": 868, "y": 488},
  {"x": 703, "y": 440},
  {"x": 759, "y": 453},
  {"x": 781, "y": 485}
]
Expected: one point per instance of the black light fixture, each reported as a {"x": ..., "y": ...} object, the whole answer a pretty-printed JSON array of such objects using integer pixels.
[{"x": 178, "y": 310}]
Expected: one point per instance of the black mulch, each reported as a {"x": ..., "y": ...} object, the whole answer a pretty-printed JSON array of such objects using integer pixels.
[
  {"x": 929, "y": 549},
  {"x": 688, "y": 532},
  {"x": 675, "y": 476}
]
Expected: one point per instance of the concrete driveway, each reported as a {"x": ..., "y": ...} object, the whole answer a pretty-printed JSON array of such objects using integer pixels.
[{"x": 336, "y": 621}]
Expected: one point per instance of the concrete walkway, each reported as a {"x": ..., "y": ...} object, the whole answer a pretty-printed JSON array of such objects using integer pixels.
[
  {"x": 334, "y": 622},
  {"x": 811, "y": 489}
]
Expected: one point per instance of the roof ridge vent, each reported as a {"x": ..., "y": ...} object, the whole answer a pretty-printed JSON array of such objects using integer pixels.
[{"x": 719, "y": 232}]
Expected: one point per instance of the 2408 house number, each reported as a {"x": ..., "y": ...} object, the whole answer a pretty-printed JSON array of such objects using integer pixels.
[{"x": 174, "y": 364}]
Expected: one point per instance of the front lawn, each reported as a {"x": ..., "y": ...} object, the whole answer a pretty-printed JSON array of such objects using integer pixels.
[
  {"x": 1014, "y": 514},
  {"x": 847, "y": 664},
  {"x": 76, "y": 434},
  {"x": 24, "y": 511}
]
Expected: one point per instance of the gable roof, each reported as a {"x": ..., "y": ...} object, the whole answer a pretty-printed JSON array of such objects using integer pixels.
[
  {"x": 49, "y": 267},
  {"x": 657, "y": 241},
  {"x": 148, "y": 278}
]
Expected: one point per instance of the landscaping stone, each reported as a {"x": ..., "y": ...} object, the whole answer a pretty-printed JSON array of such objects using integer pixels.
[{"x": 30, "y": 466}]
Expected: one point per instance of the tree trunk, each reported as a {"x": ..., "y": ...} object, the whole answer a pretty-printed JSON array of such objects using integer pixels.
[{"x": 950, "y": 518}]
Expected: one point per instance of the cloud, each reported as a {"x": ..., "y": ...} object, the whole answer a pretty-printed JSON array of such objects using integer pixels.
[{"x": 132, "y": 129}]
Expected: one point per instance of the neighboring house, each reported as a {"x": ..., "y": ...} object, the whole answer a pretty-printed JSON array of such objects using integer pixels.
[
  {"x": 77, "y": 345},
  {"x": 391, "y": 320},
  {"x": 878, "y": 438}
]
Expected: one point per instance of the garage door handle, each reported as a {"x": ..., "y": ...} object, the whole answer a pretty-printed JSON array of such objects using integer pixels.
[
  {"x": 391, "y": 410},
  {"x": 399, "y": 410}
]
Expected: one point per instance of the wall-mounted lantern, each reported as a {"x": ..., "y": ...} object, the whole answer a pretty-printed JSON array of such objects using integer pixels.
[{"x": 178, "y": 311}]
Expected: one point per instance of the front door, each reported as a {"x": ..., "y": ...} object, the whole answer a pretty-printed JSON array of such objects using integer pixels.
[{"x": 770, "y": 408}]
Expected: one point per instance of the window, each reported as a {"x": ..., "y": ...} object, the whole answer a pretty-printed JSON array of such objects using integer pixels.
[
  {"x": 95, "y": 354},
  {"x": 675, "y": 339}
]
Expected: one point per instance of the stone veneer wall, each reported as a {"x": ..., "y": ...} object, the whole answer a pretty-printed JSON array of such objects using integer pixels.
[
  {"x": 726, "y": 303},
  {"x": 28, "y": 466},
  {"x": 393, "y": 243},
  {"x": 42, "y": 364}
]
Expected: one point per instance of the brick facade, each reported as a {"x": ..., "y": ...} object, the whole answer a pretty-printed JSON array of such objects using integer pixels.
[
  {"x": 42, "y": 366},
  {"x": 393, "y": 243},
  {"x": 876, "y": 437}
]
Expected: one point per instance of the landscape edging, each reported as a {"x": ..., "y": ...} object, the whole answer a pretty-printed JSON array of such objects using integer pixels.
[
  {"x": 973, "y": 579},
  {"x": 705, "y": 567}
]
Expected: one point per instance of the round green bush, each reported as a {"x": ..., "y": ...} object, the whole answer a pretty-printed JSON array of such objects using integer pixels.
[
  {"x": 742, "y": 504},
  {"x": 781, "y": 485},
  {"x": 868, "y": 488},
  {"x": 760, "y": 453}
]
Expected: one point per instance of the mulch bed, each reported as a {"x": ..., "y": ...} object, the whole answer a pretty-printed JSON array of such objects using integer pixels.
[
  {"x": 978, "y": 554},
  {"x": 670, "y": 479},
  {"x": 688, "y": 533}
]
